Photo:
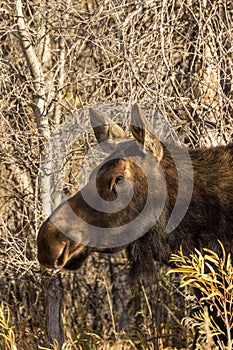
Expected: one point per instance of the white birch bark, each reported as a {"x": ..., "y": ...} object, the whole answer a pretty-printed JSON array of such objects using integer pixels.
[{"x": 52, "y": 285}]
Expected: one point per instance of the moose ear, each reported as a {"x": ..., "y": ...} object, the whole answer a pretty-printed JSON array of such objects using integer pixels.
[
  {"x": 143, "y": 132},
  {"x": 104, "y": 128}
]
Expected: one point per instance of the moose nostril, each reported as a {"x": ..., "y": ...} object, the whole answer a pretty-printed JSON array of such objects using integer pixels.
[{"x": 63, "y": 257}]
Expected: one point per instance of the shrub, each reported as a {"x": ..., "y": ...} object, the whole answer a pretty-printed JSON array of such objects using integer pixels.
[{"x": 210, "y": 274}]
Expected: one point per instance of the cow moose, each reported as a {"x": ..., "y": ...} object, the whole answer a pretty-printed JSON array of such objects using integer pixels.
[{"x": 145, "y": 174}]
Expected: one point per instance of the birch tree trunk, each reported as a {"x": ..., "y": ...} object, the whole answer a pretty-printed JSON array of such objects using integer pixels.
[
  {"x": 52, "y": 283},
  {"x": 36, "y": 72},
  {"x": 53, "y": 290}
]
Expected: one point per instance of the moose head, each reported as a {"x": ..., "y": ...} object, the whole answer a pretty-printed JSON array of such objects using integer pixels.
[{"x": 122, "y": 201}]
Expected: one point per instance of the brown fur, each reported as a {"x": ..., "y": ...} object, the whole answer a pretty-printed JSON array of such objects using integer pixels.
[{"x": 209, "y": 217}]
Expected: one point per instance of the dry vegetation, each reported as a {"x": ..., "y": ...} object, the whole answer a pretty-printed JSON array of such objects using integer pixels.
[{"x": 174, "y": 56}]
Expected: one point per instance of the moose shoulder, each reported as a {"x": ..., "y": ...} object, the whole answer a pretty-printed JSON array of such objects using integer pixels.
[{"x": 153, "y": 174}]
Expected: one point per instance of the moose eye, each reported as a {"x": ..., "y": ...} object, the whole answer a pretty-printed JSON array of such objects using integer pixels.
[{"x": 119, "y": 180}]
